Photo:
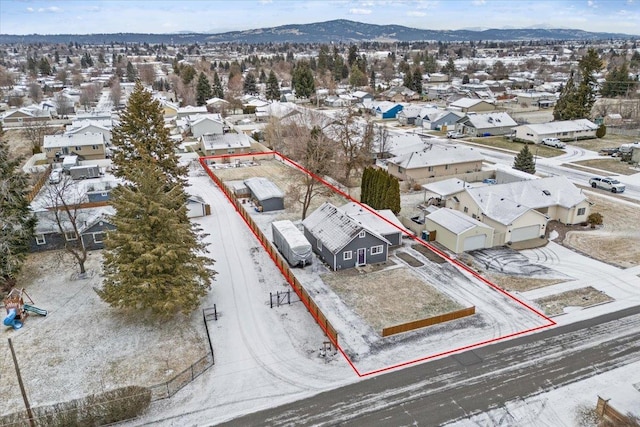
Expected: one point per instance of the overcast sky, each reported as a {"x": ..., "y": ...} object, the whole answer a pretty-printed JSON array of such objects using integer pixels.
[{"x": 146, "y": 16}]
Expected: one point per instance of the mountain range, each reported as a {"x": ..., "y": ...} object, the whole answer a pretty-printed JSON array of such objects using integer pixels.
[{"x": 336, "y": 31}]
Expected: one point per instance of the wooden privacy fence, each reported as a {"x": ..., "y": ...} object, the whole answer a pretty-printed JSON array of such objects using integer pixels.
[
  {"x": 39, "y": 184},
  {"x": 282, "y": 265},
  {"x": 417, "y": 324},
  {"x": 606, "y": 411}
]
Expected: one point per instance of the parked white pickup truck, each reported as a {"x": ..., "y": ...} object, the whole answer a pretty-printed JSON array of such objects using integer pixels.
[
  {"x": 609, "y": 184},
  {"x": 553, "y": 142}
]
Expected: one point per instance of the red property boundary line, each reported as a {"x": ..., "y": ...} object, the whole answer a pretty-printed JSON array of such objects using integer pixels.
[{"x": 455, "y": 262}]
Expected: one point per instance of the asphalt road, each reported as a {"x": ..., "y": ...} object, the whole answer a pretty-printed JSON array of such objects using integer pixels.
[{"x": 457, "y": 386}]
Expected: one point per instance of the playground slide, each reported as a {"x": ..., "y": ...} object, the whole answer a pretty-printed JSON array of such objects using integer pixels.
[
  {"x": 34, "y": 309},
  {"x": 11, "y": 320}
]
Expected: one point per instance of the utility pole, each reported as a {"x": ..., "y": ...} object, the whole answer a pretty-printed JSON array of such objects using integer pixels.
[{"x": 32, "y": 422}]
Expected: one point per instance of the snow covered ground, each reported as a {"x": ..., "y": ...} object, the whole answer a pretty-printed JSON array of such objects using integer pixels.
[
  {"x": 567, "y": 406},
  {"x": 266, "y": 357}
]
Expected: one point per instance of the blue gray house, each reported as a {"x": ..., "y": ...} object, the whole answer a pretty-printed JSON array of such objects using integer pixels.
[
  {"x": 91, "y": 224},
  {"x": 341, "y": 241}
]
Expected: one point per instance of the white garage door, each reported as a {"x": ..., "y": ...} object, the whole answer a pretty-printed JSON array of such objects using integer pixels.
[
  {"x": 474, "y": 242},
  {"x": 525, "y": 233}
]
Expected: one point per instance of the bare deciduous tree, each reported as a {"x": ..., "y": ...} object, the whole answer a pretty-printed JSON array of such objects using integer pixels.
[
  {"x": 64, "y": 105},
  {"x": 354, "y": 138},
  {"x": 115, "y": 91},
  {"x": 64, "y": 200},
  {"x": 35, "y": 131},
  {"x": 35, "y": 92},
  {"x": 147, "y": 73}
]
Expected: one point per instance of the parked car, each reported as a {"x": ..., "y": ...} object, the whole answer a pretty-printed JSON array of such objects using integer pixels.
[
  {"x": 55, "y": 177},
  {"x": 553, "y": 142},
  {"x": 613, "y": 152},
  {"x": 454, "y": 134},
  {"x": 609, "y": 184}
]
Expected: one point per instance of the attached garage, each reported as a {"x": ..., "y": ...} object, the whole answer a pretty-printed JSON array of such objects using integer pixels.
[
  {"x": 472, "y": 243},
  {"x": 457, "y": 231},
  {"x": 525, "y": 233}
]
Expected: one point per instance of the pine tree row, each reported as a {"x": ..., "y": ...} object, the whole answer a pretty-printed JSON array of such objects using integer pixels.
[{"x": 380, "y": 190}]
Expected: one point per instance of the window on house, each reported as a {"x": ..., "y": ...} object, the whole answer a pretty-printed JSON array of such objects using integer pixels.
[
  {"x": 98, "y": 237},
  {"x": 95, "y": 147},
  {"x": 347, "y": 255},
  {"x": 582, "y": 211},
  {"x": 319, "y": 245},
  {"x": 466, "y": 209},
  {"x": 231, "y": 151},
  {"x": 78, "y": 148},
  {"x": 430, "y": 168},
  {"x": 375, "y": 250},
  {"x": 446, "y": 167},
  {"x": 400, "y": 170},
  {"x": 70, "y": 235},
  {"x": 362, "y": 234},
  {"x": 40, "y": 240}
]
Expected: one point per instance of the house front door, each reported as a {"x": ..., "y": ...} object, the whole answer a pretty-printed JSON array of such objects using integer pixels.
[{"x": 362, "y": 256}]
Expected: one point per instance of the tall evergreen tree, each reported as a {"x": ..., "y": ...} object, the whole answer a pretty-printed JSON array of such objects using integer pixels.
[
  {"x": 417, "y": 80},
  {"x": 153, "y": 260},
  {"x": 302, "y": 80},
  {"x": 217, "y": 90},
  {"x": 524, "y": 161},
  {"x": 142, "y": 138},
  {"x": 131, "y": 72},
  {"x": 250, "y": 84},
  {"x": 576, "y": 100},
  {"x": 618, "y": 82},
  {"x": 16, "y": 219},
  {"x": 203, "y": 89},
  {"x": 273, "y": 87}
]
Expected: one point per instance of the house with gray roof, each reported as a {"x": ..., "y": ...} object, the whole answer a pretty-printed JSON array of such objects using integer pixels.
[
  {"x": 91, "y": 224},
  {"x": 227, "y": 143},
  {"x": 342, "y": 241},
  {"x": 435, "y": 161},
  {"x": 486, "y": 124},
  {"x": 565, "y": 130},
  {"x": 383, "y": 221}
]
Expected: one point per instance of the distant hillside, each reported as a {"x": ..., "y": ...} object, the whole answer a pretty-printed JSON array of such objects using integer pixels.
[{"x": 322, "y": 32}]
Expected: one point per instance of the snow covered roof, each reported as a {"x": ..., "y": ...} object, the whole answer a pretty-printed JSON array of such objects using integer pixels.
[
  {"x": 446, "y": 187},
  {"x": 562, "y": 126},
  {"x": 373, "y": 221},
  {"x": 466, "y": 102},
  {"x": 334, "y": 228},
  {"x": 490, "y": 120},
  {"x": 263, "y": 189},
  {"x": 190, "y": 109},
  {"x": 505, "y": 202},
  {"x": 72, "y": 140},
  {"x": 434, "y": 155},
  {"x": 454, "y": 221},
  {"x": 498, "y": 208},
  {"x": 227, "y": 140},
  {"x": 85, "y": 218}
]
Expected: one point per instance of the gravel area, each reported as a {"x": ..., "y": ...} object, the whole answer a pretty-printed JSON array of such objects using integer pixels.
[{"x": 554, "y": 305}]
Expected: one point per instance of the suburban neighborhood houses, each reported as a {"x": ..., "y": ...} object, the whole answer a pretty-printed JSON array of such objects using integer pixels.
[{"x": 452, "y": 194}]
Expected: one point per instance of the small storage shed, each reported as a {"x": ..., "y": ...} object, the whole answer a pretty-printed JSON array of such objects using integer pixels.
[
  {"x": 265, "y": 194},
  {"x": 459, "y": 232},
  {"x": 196, "y": 207}
]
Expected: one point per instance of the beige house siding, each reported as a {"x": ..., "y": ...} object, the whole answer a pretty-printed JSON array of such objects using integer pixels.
[
  {"x": 88, "y": 152},
  {"x": 433, "y": 171},
  {"x": 570, "y": 215},
  {"x": 481, "y": 107},
  {"x": 502, "y": 231},
  {"x": 455, "y": 242}
]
